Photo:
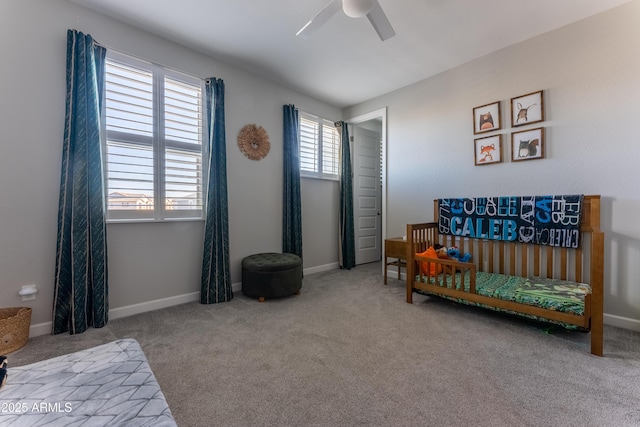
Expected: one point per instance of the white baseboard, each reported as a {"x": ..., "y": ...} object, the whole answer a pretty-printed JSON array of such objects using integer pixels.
[
  {"x": 321, "y": 268},
  {"x": 622, "y": 322},
  {"x": 40, "y": 329},
  {"x": 130, "y": 310},
  {"x": 117, "y": 313},
  {"x": 143, "y": 307},
  {"x": 392, "y": 273},
  {"x": 236, "y": 287}
]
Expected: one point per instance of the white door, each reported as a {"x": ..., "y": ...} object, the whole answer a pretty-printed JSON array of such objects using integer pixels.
[{"x": 367, "y": 195}]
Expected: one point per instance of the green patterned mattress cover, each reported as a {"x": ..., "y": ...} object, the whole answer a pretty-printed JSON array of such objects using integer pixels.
[{"x": 552, "y": 294}]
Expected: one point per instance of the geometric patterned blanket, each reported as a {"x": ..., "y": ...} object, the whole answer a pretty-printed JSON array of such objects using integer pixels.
[{"x": 107, "y": 385}]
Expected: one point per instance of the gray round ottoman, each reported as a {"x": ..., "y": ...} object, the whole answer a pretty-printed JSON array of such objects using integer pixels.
[{"x": 271, "y": 275}]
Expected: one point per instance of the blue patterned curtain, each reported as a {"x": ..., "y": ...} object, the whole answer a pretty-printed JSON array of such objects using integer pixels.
[
  {"x": 292, "y": 204},
  {"x": 216, "y": 278},
  {"x": 81, "y": 291},
  {"x": 347, "y": 240}
]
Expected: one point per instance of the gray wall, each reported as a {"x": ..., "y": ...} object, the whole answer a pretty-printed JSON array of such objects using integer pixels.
[
  {"x": 590, "y": 74},
  {"x": 147, "y": 262}
]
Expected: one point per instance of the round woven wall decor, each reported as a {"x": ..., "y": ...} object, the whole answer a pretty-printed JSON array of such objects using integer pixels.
[{"x": 254, "y": 142}]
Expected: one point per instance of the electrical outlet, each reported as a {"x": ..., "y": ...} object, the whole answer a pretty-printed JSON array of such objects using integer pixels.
[{"x": 28, "y": 292}]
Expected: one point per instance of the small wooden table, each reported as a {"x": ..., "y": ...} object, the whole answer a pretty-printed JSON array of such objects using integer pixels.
[{"x": 395, "y": 247}]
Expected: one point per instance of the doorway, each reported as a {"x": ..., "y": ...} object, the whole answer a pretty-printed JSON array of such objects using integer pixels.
[{"x": 368, "y": 139}]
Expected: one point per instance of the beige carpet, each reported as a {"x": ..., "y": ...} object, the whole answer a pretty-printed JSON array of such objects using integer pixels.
[{"x": 349, "y": 351}]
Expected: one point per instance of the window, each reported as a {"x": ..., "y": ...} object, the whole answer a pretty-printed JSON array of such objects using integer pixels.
[
  {"x": 154, "y": 146},
  {"x": 319, "y": 147}
]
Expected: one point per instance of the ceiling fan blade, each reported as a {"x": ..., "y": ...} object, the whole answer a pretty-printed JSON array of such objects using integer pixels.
[
  {"x": 321, "y": 17},
  {"x": 380, "y": 22}
]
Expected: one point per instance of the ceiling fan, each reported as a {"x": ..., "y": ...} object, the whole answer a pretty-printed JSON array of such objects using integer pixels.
[{"x": 353, "y": 9}]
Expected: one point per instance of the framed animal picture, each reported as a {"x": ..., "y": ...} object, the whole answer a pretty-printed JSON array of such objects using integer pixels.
[
  {"x": 527, "y": 145},
  {"x": 488, "y": 150},
  {"x": 486, "y": 118},
  {"x": 527, "y": 109}
]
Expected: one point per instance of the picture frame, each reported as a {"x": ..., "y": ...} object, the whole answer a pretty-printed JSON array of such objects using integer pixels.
[
  {"x": 486, "y": 118},
  {"x": 488, "y": 150},
  {"x": 527, "y": 109},
  {"x": 527, "y": 145}
]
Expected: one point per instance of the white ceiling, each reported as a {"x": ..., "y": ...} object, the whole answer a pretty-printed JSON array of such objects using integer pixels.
[{"x": 344, "y": 62}]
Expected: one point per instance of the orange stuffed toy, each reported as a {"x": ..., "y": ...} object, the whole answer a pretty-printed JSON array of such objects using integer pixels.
[{"x": 431, "y": 267}]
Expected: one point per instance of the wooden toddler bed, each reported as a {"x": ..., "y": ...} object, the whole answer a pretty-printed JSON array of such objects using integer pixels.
[{"x": 553, "y": 284}]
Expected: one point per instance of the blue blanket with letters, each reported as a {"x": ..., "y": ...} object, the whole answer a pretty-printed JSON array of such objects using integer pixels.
[{"x": 542, "y": 220}]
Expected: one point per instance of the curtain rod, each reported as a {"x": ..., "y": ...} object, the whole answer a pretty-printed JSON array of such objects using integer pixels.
[{"x": 147, "y": 60}]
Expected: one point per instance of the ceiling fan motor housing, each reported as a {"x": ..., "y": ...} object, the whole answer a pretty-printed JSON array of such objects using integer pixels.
[{"x": 356, "y": 8}]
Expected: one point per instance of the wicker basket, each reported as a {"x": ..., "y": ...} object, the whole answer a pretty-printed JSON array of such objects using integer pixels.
[{"x": 14, "y": 328}]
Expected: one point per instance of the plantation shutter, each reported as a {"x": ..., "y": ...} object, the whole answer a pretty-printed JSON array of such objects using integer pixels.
[
  {"x": 319, "y": 147},
  {"x": 154, "y": 147},
  {"x": 309, "y": 155},
  {"x": 129, "y": 123},
  {"x": 330, "y": 149},
  {"x": 183, "y": 142}
]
